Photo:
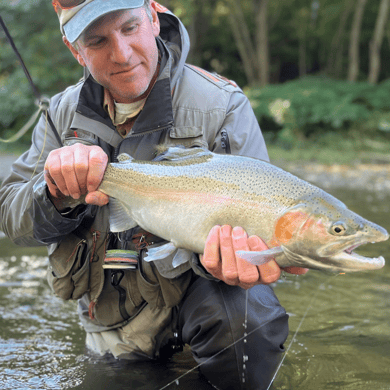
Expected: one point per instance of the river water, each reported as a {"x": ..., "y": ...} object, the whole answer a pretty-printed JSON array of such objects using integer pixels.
[{"x": 343, "y": 342}]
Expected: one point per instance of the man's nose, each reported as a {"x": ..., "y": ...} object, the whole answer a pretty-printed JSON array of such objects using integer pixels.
[{"x": 121, "y": 50}]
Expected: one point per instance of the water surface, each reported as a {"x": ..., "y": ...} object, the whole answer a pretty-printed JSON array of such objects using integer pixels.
[{"x": 342, "y": 343}]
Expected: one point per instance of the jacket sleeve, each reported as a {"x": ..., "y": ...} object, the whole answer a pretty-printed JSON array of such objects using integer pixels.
[
  {"x": 28, "y": 217},
  {"x": 240, "y": 132}
]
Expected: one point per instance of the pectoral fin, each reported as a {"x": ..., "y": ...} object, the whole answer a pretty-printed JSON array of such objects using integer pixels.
[
  {"x": 160, "y": 252},
  {"x": 258, "y": 258},
  {"x": 120, "y": 216}
]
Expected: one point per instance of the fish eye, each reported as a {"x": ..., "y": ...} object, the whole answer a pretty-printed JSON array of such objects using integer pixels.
[{"x": 338, "y": 229}]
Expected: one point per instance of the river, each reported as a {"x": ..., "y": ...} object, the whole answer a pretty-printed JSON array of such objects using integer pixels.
[{"x": 342, "y": 343}]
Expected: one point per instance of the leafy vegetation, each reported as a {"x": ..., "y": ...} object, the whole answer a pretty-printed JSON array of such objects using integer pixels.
[{"x": 34, "y": 27}]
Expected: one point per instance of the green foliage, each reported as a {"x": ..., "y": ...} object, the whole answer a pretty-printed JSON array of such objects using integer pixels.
[
  {"x": 34, "y": 27},
  {"x": 299, "y": 109}
]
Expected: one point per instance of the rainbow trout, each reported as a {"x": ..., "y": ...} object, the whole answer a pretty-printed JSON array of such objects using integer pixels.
[{"x": 181, "y": 198}]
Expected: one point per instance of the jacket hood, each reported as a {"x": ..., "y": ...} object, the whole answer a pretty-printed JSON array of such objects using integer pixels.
[{"x": 175, "y": 36}]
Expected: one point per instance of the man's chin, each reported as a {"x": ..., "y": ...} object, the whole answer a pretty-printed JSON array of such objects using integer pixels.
[{"x": 129, "y": 95}]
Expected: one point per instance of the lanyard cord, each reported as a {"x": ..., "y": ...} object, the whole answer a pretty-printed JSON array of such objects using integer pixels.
[{"x": 40, "y": 101}]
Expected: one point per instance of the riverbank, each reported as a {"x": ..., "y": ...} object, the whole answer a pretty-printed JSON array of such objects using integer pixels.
[
  {"x": 331, "y": 168},
  {"x": 367, "y": 177}
]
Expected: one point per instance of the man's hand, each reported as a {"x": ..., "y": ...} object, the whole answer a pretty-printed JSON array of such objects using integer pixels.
[
  {"x": 220, "y": 258},
  {"x": 76, "y": 170}
]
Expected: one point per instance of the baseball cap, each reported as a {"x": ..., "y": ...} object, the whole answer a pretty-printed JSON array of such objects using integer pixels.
[{"x": 76, "y": 15}]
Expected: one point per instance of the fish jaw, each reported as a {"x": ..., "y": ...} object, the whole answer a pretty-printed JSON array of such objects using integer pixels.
[
  {"x": 307, "y": 242},
  {"x": 342, "y": 260},
  {"x": 342, "y": 256}
]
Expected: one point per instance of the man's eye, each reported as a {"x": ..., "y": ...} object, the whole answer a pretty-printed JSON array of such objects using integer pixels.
[
  {"x": 131, "y": 28},
  {"x": 96, "y": 42}
]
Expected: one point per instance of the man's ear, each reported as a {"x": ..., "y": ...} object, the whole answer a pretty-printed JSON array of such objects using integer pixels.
[
  {"x": 156, "y": 20},
  {"x": 74, "y": 51}
]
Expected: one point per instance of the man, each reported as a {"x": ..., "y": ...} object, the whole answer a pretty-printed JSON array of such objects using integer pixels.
[{"x": 140, "y": 93}]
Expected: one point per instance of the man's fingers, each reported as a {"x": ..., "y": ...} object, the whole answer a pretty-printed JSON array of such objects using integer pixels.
[
  {"x": 228, "y": 256},
  {"x": 53, "y": 174},
  {"x": 97, "y": 165},
  {"x": 269, "y": 272},
  {"x": 248, "y": 274},
  {"x": 69, "y": 174},
  {"x": 51, "y": 184},
  {"x": 211, "y": 255},
  {"x": 75, "y": 170},
  {"x": 81, "y": 167},
  {"x": 97, "y": 198}
]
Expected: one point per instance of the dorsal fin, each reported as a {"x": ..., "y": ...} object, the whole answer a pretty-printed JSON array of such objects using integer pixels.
[
  {"x": 181, "y": 153},
  {"x": 124, "y": 157}
]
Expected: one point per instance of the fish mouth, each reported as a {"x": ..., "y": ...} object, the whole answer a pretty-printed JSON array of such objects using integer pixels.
[
  {"x": 348, "y": 260},
  {"x": 340, "y": 256}
]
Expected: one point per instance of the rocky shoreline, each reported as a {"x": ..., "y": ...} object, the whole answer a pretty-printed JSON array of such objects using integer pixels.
[{"x": 367, "y": 177}]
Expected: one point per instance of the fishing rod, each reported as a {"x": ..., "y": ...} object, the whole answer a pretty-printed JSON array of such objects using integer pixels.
[{"x": 41, "y": 101}]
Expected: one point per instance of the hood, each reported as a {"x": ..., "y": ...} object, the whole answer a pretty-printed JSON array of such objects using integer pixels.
[{"x": 175, "y": 36}]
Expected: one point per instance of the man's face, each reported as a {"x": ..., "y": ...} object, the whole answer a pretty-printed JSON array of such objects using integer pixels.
[{"x": 120, "y": 51}]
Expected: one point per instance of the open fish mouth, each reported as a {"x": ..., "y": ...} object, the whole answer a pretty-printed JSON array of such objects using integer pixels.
[
  {"x": 349, "y": 260},
  {"x": 349, "y": 250}
]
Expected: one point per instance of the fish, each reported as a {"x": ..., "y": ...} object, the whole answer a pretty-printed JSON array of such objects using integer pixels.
[{"x": 184, "y": 193}]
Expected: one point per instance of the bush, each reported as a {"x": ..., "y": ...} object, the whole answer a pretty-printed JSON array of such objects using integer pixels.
[{"x": 309, "y": 106}]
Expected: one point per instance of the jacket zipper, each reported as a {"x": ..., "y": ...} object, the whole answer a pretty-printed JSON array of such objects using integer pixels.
[
  {"x": 170, "y": 125},
  {"x": 225, "y": 143},
  {"x": 152, "y": 131}
]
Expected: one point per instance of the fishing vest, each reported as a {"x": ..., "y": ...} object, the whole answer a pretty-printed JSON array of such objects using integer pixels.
[{"x": 114, "y": 296}]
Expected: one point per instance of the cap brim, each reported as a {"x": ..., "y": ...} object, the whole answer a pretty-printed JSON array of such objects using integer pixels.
[{"x": 92, "y": 11}]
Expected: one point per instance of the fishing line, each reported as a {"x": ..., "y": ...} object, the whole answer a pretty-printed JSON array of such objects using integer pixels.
[
  {"x": 43, "y": 148},
  {"x": 248, "y": 334},
  {"x": 212, "y": 357},
  {"x": 296, "y": 332},
  {"x": 41, "y": 101}
]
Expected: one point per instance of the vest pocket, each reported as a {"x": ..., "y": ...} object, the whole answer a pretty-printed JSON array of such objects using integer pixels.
[
  {"x": 120, "y": 299},
  {"x": 68, "y": 274},
  {"x": 187, "y": 136},
  {"x": 159, "y": 291}
]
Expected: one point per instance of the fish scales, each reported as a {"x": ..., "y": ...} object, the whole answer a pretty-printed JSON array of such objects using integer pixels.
[
  {"x": 205, "y": 191},
  {"x": 182, "y": 198}
]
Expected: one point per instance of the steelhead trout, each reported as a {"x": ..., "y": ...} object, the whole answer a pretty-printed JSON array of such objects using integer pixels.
[{"x": 182, "y": 197}]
